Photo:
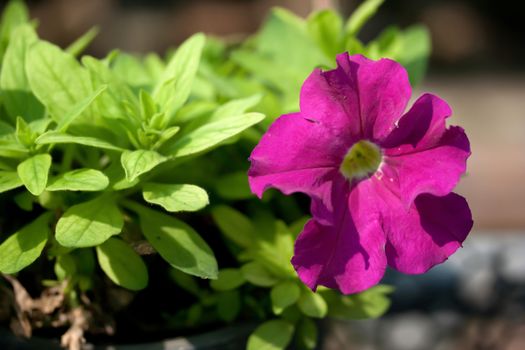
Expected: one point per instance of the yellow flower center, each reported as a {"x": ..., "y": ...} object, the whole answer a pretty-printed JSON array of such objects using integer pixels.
[{"x": 361, "y": 160}]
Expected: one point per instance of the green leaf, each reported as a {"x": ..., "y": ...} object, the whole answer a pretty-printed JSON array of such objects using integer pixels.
[
  {"x": 79, "y": 180},
  {"x": 326, "y": 29},
  {"x": 361, "y": 15},
  {"x": 110, "y": 104},
  {"x": 52, "y": 137},
  {"x": 177, "y": 243},
  {"x": 312, "y": 304},
  {"x": 14, "y": 15},
  {"x": 228, "y": 279},
  {"x": 228, "y": 305},
  {"x": 415, "y": 52},
  {"x": 212, "y": 134},
  {"x": 284, "y": 38},
  {"x": 90, "y": 223},
  {"x": 85, "y": 261},
  {"x": 388, "y": 44},
  {"x": 136, "y": 163},
  {"x": 65, "y": 267},
  {"x": 129, "y": 68},
  {"x": 371, "y": 303},
  {"x": 148, "y": 108},
  {"x": 275, "y": 249},
  {"x": 24, "y": 134},
  {"x": 174, "y": 86},
  {"x": 9, "y": 180},
  {"x": 24, "y": 200},
  {"x": 283, "y": 295},
  {"x": 271, "y": 335},
  {"x": 234, "y": 225},
  {"x": 25, "y": 246},
  {"x": 175, "y": 198},
  {"x": 122, "y": 265},
  {"x": 40, "y": 126},
  {"x": 258, "y": 275},
  {"x": 50, "y": 201},
  {"x": 12, "y": 149},
  {"x": 166, "y": 135},
  {"x": 18, "y": 98},
  {"x": 56, "y": 78},
  {"x": 34, "y": 172},
  {"x": 307, "y": 334},
  {"x": 117, "y": 177},
  {"x": 285, "y": 77},
  {"x": 235, "y": 107},
  {"x": 234, "y": 186},
  {"x": 79, "y": 45},
  {"x": 78, "y": 109}
]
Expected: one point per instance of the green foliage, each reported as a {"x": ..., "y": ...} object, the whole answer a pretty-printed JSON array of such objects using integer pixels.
[
  {"x": 271, "y": 335},
  {"x": 177, "y": 243},
  {"x": 274, "y": 56},
  {"x": 19, "y": 100},
  {"x": 175, "y": 198},
  {"x": 130, "y": 150},
  {"x": 90, "y": 223},
  {"x": 371, "y": 303},
  {"x": 122, "y": 265},
  {"x": 174, "y": 85},
  {"x": 79, "y": 45},
  {"x": 361, "y": 15},
  {"x": 228, "y": 279},
  {"x": 24, "y": 246},
  {"x": 284, "y": 294},
  {"x": 79, "y": 180},
  {"x": 9, "y": 180},
  {"x": 56, "y": 78},
  {"x": 33, "y": 172},
  {"x": 312, "y": 304},
  {"x": 136, "y": 163}
]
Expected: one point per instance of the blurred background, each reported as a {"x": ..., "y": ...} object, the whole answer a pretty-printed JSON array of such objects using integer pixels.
[{"x": 476, "y": 301}]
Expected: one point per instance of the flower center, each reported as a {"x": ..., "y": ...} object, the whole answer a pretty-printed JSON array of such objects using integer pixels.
[{"x": 361, "y": 160}]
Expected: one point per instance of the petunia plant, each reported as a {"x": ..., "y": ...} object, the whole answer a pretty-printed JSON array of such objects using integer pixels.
[
  {"x": 83, "y": 147},
  {"x": 108, "y": 163},
  {"x": 380, "y": 179}
]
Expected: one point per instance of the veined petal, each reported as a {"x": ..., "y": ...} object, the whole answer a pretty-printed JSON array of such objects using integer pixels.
[
  {"x": 420, "y": 128},
  {"x": 361, "y": 96},
  {"x": 435, "y": 170},
  {"x": 350, "y": 253},
  {"x": 295, "y": 155},
  {"x": 427, "y": 234}
]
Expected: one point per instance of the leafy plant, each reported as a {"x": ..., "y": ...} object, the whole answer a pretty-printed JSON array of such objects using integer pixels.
[
  {"x": 100, "y": 158},
  {"x": 88, "y": 146}
]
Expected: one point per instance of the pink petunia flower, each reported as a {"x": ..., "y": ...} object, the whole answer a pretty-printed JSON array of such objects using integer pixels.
[{"x": 380, "y": 179}]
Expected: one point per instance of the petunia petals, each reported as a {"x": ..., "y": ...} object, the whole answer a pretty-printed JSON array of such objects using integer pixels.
[
  {"x": 435, "y": 170},
  {"x": 295, "y": 155},
  {"x": 421, "y": 128},
  {"x": 393, "y": 206},
  {"x": 427, "y": 234},
  {"x": 349, "y": 254}
]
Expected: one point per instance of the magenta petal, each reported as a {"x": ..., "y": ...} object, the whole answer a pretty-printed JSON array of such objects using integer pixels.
[
  {"x": 420, "y": 128},
  {"x": 436, "y": 170},
  {"x": 426, "y": 235},
  {"x": 348, "y": 255},
  {"x": 384, "y": 92},
  {"x": 362, "y": 97},
  {"x": 295, "y": 155}
]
